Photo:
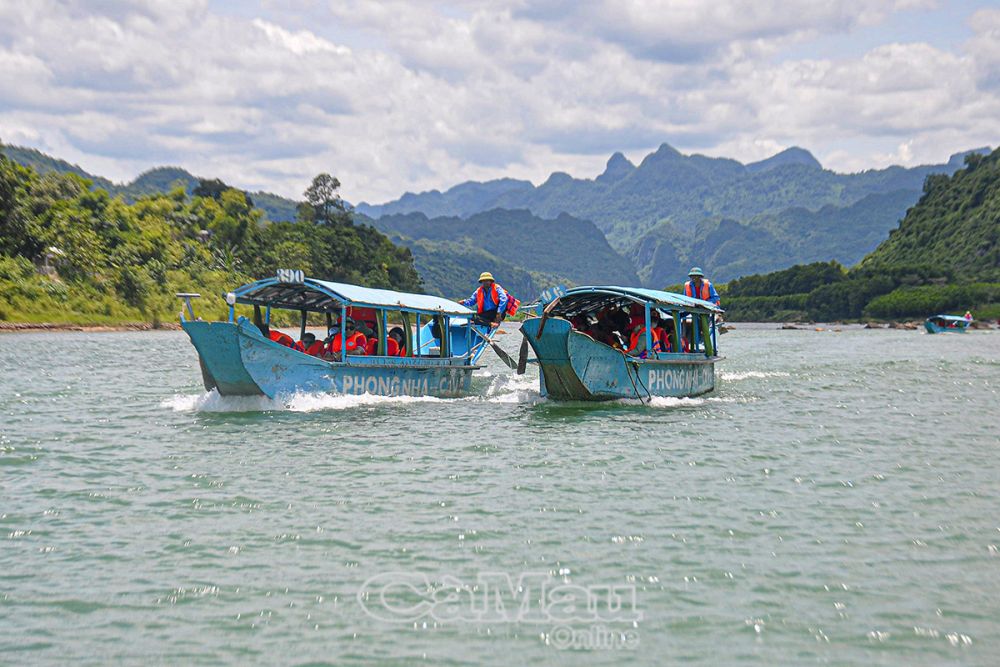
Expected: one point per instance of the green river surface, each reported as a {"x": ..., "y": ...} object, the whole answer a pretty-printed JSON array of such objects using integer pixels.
[{"x": 835, "y": 501}]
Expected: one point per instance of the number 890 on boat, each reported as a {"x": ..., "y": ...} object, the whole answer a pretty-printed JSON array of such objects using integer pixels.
[{"x": 291, "y": 276}]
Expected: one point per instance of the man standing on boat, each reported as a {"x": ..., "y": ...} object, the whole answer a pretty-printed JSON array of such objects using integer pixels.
[
  {"x": 490, "y": 301},
  {"x": 699, "y": 288}
]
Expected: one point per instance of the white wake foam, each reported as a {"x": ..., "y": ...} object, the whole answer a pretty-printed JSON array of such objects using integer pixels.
[
  {"x": 502, "y": 389},
  {"x": 663, "y": 402},
  {"x": 745, "y": 375},
  {"x": 299, "y": 402},
  {"x": 513, "y": 389}
]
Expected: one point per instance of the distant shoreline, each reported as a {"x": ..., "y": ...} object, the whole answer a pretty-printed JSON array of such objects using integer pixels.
[{"x": 43, "y": 327}]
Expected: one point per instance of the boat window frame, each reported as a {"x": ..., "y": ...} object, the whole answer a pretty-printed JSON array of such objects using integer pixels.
[
  {"x": 264, "y": 318},
  {"x": 703, "y": 334}
]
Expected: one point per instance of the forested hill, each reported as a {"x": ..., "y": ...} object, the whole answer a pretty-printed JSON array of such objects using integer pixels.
[
  {"x": 70, "y": 253},
  {"x": 525, "y": 252},
  {"x": 159, "y": 180},
  {"x": 944, "y": 257},
  {"x": 955, "y": 225},
  {"x": 770, "y": 241}
]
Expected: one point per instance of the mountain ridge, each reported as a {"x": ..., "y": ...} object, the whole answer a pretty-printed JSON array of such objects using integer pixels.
[{"x": 670, "y": 194}]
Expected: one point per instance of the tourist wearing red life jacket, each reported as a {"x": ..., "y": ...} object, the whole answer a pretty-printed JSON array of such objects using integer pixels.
[
  {"x": 699, "y": 288},
  {"x": 492, "y": 302},
  {"x": 309, "y": 345},
  {"x": 281, "y": 338},
  {"x": 356, "y": 341},
  {"x": 395, "y": 343},
  {"x": 637, "y": 341},
  {"x": 391, "y": 348}
]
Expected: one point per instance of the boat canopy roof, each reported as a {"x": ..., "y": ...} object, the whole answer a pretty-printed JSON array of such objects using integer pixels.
[
  {"x": 323, "y": 296},
  {"x": 947, "y": 318},
  {"x": 593, "y": 296}
]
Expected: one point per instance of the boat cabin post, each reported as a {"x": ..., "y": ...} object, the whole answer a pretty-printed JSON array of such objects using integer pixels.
[
  {"x": 407, "y": 332},
  {"x": 343, "y": 332},
  {"x": 382, "y": 348},
  {"x": 675, "y": 315},
  {"x": 707, "y": 335},
  {"x": 418, "y": 350},
  {"x": 648, "y": 332}
]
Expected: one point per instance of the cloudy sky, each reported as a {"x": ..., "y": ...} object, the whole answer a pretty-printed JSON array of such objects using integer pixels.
[{"x": 413, "y": 95}]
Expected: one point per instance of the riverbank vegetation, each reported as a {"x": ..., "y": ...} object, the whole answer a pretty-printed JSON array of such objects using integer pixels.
[
  {"x": 944, "y": 257},
  {"x": 73, "y": 253}
]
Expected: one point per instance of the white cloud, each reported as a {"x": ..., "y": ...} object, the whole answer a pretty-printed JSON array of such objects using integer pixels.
[
  {"x": 300, "y": 42},
  {"x": 429, "y": 94}
]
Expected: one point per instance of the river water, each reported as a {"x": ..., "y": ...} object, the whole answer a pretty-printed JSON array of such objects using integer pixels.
[{"x": 835, "y": 501}]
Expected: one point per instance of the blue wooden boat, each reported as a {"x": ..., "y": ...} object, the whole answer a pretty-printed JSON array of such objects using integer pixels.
[
  {"x": 946, "y": 324},
  {"x": 576, "y": 366},
  {"x": 238, "y": 359}
]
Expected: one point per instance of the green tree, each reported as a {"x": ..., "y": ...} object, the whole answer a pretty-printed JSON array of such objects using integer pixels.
[
  {"x": 214, "y": 187},
  {"x": 323, "y": 204},
  {"x": 18, "y": 234}
]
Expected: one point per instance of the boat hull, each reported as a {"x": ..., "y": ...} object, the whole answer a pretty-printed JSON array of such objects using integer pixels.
[
  {"x": 238, "y": 361},
  {"x": 933, "y": 328},
  {"x": 575, "y": 367}
]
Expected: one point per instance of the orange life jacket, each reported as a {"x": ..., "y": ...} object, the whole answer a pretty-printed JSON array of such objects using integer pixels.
[
  {"x": 355, "y": 341},
  {"x": 315, "y": 349},
  {"x": 706, "y": 291},
  {"x": 513, "y": 303},
  {"x": 481, "y": 297},
  {"x": 391, "y": 347},
  {"x": 656, "y": 333},
  {"x": 281, "y": 338}
]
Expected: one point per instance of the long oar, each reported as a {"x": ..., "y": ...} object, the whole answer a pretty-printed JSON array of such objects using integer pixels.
[
  {"x": 504, "y": 357},
  {"x": 522, "y": 357}
]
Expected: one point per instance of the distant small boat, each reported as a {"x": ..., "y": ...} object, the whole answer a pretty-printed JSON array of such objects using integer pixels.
[
  {"x": 946, "y": 324},
  {"x": 239, "y": 358},
  {"x": 576, "y": 366}
]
